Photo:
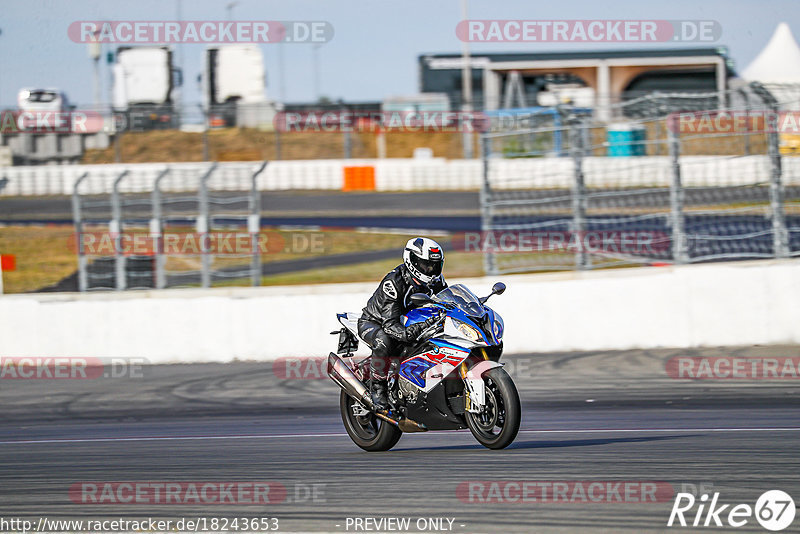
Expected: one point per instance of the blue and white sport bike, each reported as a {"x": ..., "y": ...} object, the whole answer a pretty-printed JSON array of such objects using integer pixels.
[{"x": 450, "y": 378}]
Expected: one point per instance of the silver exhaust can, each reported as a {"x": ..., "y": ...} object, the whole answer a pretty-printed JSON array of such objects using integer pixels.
[{"x": 341, "y": 373}]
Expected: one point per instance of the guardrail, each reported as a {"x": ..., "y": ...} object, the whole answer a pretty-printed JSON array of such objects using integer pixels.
[
  {"x": 148, "y": 265},
  {"x": 401, "y": 174},
  {"x": 743, "y": 303}
]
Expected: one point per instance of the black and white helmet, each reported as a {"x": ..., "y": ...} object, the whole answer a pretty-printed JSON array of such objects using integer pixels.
[{"x": 424, "y": 259}]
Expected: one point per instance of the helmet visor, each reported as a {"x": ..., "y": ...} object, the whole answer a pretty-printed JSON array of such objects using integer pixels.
[{"x": 427, "y": 267}]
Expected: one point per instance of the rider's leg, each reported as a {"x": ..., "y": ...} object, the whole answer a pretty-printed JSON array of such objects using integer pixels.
[{"x": 382, "y": 348}]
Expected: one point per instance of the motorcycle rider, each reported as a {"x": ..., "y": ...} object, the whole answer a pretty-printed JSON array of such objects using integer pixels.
[{"x": 380, "y": 325}]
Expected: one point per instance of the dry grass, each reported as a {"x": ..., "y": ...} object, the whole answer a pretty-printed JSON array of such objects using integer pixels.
[
  {"x": 459, "y": 265},
  {"x": 45, "y": 255},
  {"x": 246, "y": 144}
]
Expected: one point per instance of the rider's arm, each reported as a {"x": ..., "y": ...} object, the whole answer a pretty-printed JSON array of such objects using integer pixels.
[
  {"x": 393, "y": 326},
  {"x": 391, "y": 310},
  {"x": 440, "y": 286},
  {"x": 406, "y": 334}
]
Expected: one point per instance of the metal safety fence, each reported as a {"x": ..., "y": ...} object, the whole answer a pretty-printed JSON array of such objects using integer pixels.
[
  {"x": 680, "y": 178},
  {"x": 168, "y": 237}
]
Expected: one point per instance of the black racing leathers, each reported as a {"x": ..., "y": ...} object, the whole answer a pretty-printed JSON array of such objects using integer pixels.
[
  {"x": 391, "y": 300},
  {"x": 380, "y": 324}
]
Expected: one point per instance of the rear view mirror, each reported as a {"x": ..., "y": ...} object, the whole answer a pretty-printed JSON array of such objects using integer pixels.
[{"x": 498, "y": 288}]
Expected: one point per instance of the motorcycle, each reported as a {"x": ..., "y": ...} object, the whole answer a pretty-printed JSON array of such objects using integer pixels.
[{"x": 448, "y": 379}]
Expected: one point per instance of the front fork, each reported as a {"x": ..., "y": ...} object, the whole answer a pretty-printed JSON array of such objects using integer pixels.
[{"x": 474, "y": 386}]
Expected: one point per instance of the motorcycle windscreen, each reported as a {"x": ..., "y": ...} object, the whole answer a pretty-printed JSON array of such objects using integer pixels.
[{"x": 462, "y": 298}]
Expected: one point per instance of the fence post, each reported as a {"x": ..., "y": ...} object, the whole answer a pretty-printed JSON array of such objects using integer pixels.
[
  {"x": 157, "y": 229},
  {"x": 746, "y": 99},
  {"x": 348, "y": 145},
  {"x": 489, "y": 260},
  {"x": 115, "y": 226},
  {"x": 558, "y": 141},
  {"x": 254, "y": 227},
  {"x": 676, "y": 194},
  {"x": 780, "y": 236},
  {"x": 579, "y": 200},
  {"x": 202, "y": 228},
  {"x": 76, "y": 217},
  {"x": 207, "y": 125},
  {"x": 118, "y": 147}
]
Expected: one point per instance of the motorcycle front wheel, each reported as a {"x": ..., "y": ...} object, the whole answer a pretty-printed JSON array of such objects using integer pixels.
[
  {"x": 367, "y": 431},
  {"x": 497, "y": 426}
]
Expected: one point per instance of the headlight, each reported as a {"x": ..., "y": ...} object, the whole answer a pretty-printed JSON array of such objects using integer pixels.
[
  {"x": 467, "y": 331},
  {"x": 498, "y": 327}
]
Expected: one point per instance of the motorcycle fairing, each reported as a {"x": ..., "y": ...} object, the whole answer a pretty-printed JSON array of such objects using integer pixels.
[
  {"x": 349, "y": 320},
  {"x": 473, "y": 321},
  {"x": 427, "y": 369},
  {"x": 433, "y": 408},
  {"x": 418, "y": 315},
  {"x": 414, "y": 370},
  {"x": 490, "y": 319}
]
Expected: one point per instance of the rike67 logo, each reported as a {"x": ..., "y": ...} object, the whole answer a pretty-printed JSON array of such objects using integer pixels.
[{"x": 774, "y": 510}]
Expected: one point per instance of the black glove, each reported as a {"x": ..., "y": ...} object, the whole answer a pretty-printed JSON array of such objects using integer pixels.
[{"x": 413, "y": 331}]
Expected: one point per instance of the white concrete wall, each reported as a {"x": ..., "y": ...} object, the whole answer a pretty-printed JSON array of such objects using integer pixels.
[
  {"x": 397, "y": 174},
  {"x": 702, "y": 305}
]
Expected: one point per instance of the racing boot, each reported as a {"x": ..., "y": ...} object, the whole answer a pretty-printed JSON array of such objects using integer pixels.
[
  {"x": 377, "y": 373},
  {"x": 379, "y": 398}
]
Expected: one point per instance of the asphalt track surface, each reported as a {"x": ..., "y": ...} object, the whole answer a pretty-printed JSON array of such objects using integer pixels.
[
  {"x": 586, "y": 416},
  {"x": 335, "y": 204},
  {"x": 287, "y": 203},
  {"x": 436, "y": 210}
]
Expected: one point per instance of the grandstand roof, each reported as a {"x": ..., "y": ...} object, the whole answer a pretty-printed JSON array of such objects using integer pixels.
[{"x": 591, "y": 54}]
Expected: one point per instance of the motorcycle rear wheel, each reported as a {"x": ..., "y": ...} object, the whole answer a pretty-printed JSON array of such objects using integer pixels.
[
  {"x": 498, "y": 425},
  {"x": 367, "y": 431}
]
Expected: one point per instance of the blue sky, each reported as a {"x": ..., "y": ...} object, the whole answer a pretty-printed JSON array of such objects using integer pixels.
[{"x": 373, "y": 53}]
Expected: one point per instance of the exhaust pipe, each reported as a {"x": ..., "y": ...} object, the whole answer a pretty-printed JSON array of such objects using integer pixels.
[
  {"x": 409, "y": 425},
  {"x": 348, "y": 381}
]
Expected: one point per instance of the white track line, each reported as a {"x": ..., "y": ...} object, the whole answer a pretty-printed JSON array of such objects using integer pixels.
[
  {"x": 168, "y": 438},
  {"x": 333, "y": 434}
]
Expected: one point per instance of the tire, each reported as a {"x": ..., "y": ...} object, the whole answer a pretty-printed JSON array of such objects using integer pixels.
[
  {"x": 498, "y": 426},
  {"x": 368, "y": 432}
]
